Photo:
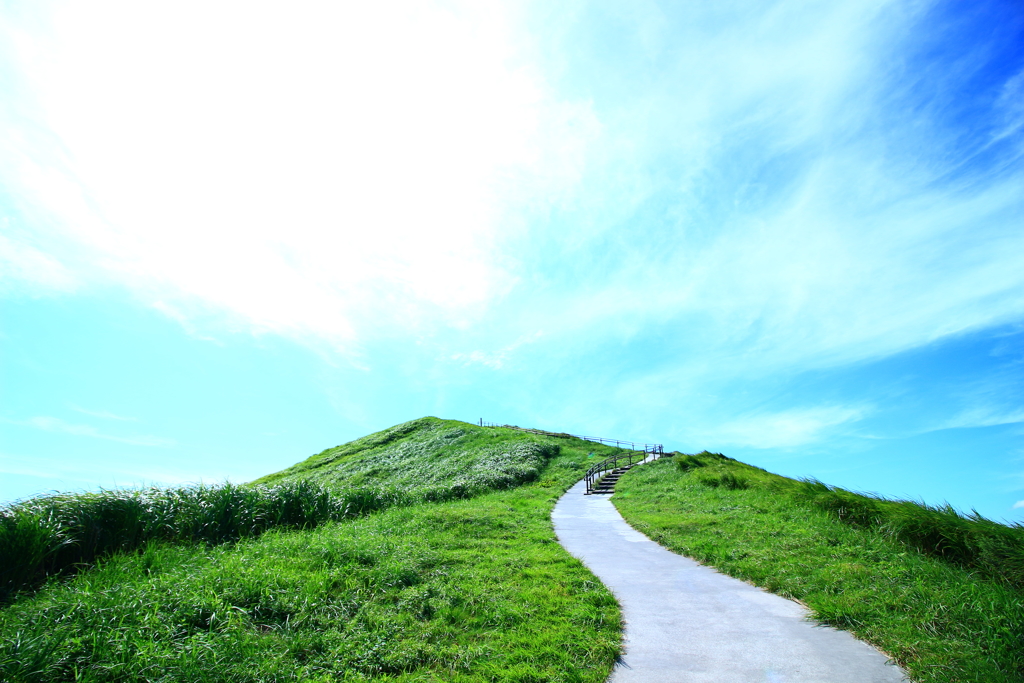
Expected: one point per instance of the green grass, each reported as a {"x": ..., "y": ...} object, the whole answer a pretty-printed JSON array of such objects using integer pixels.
[
  {"x": 938, "y": 591},
  {"x": 426, "y": 553},
  {"x": 58, "y": 534},
  {"x": 470, "y": 587},
  {"x": 422, "y": 460},
  {"x": 428, "y": 454}
]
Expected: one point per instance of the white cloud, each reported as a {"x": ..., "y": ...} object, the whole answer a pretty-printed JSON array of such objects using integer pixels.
[
  {"x": 24, "y": 267},
  {"x": 756, "y": 178},
  {"x": 1019, "y": 504},
  {"x": 53, "y": 424},
  {"x": 496, "y": 360},
  {"x": 191, "y": 322},
  {"x": 984, "y": 416},
  {"x": 784, "y": 429},
  {"x": 300, "y": 172}
]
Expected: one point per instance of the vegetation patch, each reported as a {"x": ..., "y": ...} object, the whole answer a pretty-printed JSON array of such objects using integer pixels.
[
  {"x": 426, "y": 553},
  {"x": 422, "y": 460},
  {"x": 972, "y": 542},
  {"x": 472, "y": 588},
  {"x": 936, "y": 590},
  {"x": 54, "y": 534},
  {"x": 428, "y": 454}
]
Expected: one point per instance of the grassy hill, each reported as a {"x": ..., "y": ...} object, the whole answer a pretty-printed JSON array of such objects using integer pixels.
[
  {"x": 425, "y": 553},
  {"x": 941, "y": 593},
  {"x": 421, "y": 553},
  {"x": 428, "y": 458}
]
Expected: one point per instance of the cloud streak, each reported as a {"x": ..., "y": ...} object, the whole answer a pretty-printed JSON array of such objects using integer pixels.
[
  {"x": 794, "y": 195},
  {"x": 785, "y": 429},
  {"x": 54, "y": 424},
  {"x": 58, "y": 468},
  {"x": 103, "y": 414}
]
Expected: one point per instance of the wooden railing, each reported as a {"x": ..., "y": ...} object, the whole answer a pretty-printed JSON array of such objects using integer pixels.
[{"x": 634, "y": 452}]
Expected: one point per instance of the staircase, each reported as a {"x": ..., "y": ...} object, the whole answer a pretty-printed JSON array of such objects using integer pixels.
[
  {"x": 606, "y": 484},
  {"x": 601, "y": 478}
]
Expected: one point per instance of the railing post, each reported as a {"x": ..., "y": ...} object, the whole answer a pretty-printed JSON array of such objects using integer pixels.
[{"x": 597, "y": 470}]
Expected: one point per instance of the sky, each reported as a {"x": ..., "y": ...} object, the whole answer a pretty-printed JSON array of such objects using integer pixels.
[{"x": 234, "y": 234}]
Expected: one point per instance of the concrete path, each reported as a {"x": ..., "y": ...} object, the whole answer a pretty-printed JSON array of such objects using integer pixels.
[{"x": 688, "y": 623}]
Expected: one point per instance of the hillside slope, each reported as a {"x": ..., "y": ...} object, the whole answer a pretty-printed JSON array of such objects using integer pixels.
[
  {"x": 427, "y": 455},
  {"x": 456, "y": 576},
  {"x": 937, "y": 591}
]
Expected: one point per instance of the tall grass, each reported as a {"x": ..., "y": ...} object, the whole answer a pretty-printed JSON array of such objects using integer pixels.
[
  {"x": 969, "y": 541},
  {"x": 54, "y": 534},
  {"x": 427, "y": 452},
  {"x": 60, "y": 533},
  {"x": 464, "y": 591},
  {"x": 936, "y": 590}
]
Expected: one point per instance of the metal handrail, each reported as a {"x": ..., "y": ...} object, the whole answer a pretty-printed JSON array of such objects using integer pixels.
[{"x": 596, "y": 472}]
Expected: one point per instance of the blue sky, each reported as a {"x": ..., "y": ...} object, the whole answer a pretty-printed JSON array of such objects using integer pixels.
[{"x": 233, "y": 235}]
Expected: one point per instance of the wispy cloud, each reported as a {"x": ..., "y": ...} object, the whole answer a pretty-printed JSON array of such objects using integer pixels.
[
  {"x": 784, "y": 429},
  {"x": 994, "y": 398},
  {"x": 24, "y": 267},
  {"x": 988, "y": 416},
  {"x": 792, "y": 197},
  {"x": 53, "y": 424},
  {"x": 103, "y": 414},
  {"x": 119, "y": 473},
  {"x": 767, "y": 176},
  {"x": 493, "y": 360},
  {"x": 187, "y": 322},
  {"x": 496, "y": 360},
  {"x": 1018, "y": 505}
]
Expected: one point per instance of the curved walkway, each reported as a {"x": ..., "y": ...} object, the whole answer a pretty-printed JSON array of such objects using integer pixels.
[{"x": 686, "y": 622}]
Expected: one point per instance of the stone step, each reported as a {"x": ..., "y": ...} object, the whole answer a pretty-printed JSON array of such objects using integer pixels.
[{"x": 606, "y": 484}]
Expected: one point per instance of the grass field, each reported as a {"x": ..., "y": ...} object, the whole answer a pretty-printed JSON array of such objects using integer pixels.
[
  {"x": 471, "y": 587},
  {"x": 425, "y": 553},
  {"x": 419, "y": 461},
  {"x": 938, "y": 592}
]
